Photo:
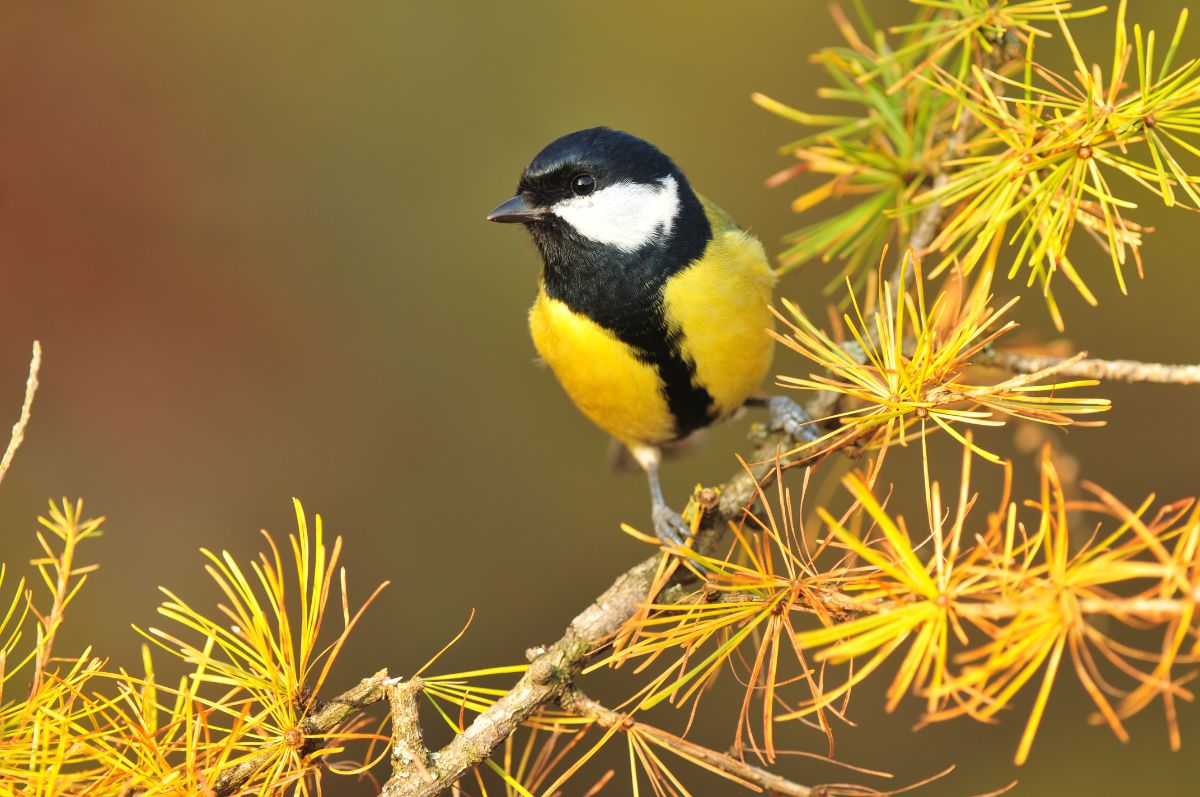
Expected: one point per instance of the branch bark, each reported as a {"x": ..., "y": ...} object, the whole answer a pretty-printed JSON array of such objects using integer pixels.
[{"x": 409, "y": 752}]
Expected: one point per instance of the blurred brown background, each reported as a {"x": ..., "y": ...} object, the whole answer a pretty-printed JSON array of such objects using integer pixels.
[{"x": 251, "y": 241}]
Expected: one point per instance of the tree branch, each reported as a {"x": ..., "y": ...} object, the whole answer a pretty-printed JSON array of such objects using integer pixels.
[
  {"x": 546, "y": 679},
  {"x": 550, "y": 673},
  {"x": 1111, "y": 370}
]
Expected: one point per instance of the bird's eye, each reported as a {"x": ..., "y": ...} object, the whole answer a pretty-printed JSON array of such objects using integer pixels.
[{"x": 583, "y": 184}]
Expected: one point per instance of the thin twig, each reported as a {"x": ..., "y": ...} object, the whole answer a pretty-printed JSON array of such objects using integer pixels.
[
  {"x": 929, "y": 222},
  {"x": 829, "y": 602},
  {"x": 930, "y": 219},
  {"x": 581, "y": 705},
  {"x": 1112, "y": 370},
  {"x": 18, "y": 430}
]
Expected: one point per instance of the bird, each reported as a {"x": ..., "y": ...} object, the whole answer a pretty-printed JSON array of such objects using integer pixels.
[{"x": 653, "y": 305}]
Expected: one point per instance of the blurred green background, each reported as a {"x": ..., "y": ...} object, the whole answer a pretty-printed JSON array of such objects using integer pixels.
[{"x": 251, "y": 241}]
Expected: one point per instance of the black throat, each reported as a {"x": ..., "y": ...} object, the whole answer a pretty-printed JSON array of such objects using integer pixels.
[{"x": 623, "y": 292}]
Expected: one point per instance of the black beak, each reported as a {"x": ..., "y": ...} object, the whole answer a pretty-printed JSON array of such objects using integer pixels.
[{"x": 517, "y": 210}]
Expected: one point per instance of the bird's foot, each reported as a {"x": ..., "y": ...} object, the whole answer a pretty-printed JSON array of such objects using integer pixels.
[
  {"x": 791, "y": 418},
  {"x": 670, "y": 527}
]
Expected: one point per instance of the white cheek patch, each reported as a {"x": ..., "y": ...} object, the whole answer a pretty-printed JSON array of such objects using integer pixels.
[{"x": 625, "y": 215}]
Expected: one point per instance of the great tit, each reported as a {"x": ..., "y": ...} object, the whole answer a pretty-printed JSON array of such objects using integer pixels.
[{"x": 652, "y": 309}]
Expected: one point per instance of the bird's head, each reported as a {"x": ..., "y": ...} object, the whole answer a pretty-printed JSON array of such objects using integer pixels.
[{"x": 599, "y": 189}]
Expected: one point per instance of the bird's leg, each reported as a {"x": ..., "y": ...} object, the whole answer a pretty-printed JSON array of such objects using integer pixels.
[
  {"x": 788, "y": 416},
  {"x": 668, "y": 525}
]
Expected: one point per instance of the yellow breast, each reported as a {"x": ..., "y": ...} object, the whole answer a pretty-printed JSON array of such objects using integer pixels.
[
  {"x": 603, "y": 376},
  {"x": 720, "y": 308}
]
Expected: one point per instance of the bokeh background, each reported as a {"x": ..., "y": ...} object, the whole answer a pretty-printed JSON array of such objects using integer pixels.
[{"x": 251, "y": 240}]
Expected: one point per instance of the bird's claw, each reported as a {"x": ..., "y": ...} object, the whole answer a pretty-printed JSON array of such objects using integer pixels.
[
  {"x": 670, "y": 527},
  {"x": 791, "y": 418}
]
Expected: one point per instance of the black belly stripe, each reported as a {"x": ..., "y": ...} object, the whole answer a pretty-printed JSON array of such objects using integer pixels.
[{"x": 690, "y": 404}]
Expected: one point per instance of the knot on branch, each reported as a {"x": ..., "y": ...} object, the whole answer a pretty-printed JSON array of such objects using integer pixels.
[{"x": 409, "y": 753}]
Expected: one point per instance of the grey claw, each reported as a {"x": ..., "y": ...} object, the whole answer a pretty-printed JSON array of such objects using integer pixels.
[
  {"x": 670, "y": 527},
  {"x": 791, "y": 418}
]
